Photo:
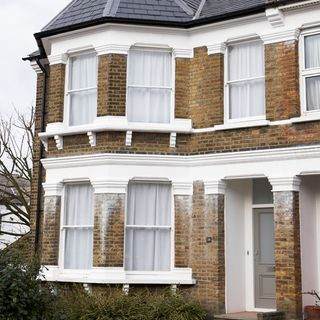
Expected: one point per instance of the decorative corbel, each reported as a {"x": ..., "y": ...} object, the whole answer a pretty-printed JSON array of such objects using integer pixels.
[
  {"x": 59, "y": 142},
  {"x": 92, "y": 138},
  {"x": 129, "y": 138},
  {"x": 173, "y": 139}
]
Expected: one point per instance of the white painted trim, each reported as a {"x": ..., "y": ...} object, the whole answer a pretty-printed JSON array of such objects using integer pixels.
[
  {"x": 53, "y": 189},
  {"x": 285, "y": 184},
  {"x": 215, "y": 187},
  {"x": 183, "y": 53},
  {"x": 178, "y": 276},
  {"x": 103, "y": 187},
  {"x": 288, "y": 35},
  {"x": 34, "y": 65},
  {"x": 217, "y": 48},
  {"x": 182, "y": 188},
  {"x": 265, "y": 155},
  {"x": 275, "y": 17},
  {"x": 58, "y": 59},
  {"x": 112, "y": 49}
]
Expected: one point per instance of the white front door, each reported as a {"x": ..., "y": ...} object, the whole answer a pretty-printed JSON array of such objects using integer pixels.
[{"x": 264, "y": 265}]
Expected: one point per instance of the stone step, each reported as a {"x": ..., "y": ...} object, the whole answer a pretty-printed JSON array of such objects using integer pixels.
[{"x": 275, "y": 315}]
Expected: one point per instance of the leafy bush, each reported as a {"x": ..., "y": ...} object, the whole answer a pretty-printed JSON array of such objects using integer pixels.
[
  {"x": 138, "y": 305},
  {"x": 24, "y": 296},
  {"x": 22, "y": 293}
]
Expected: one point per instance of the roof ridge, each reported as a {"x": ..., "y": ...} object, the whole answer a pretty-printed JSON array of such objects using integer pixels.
[
  {"x": 59, "y": 14},
  {"x": 111, "y": 8},
  {"x": 184, "y": 7},
  {"x": 198, "y": 12}
]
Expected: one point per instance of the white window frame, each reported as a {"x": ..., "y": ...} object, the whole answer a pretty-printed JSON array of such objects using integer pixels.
[
  {"x": 173, "y": 76},
  {"x": 306, "y": 73},
  {"x": 172, "y": 227},
  {"x": 227, "y": 82},
  {"x": 67, "y": 95},
  {"x": 63, "y": 227}
]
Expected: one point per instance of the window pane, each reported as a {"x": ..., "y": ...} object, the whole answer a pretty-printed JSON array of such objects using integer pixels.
[
  {"x": 312, "y": 51},
  {"x": 78, "y": 241},
  {"x": 149, "y": 204},
  {"x": 79, "y": 205},
  {"x": 313, "y": 93},
  {"x": 150, "y": 68},
  {"x": 247, "y": 99},
  {"x": 149, "y": 105},
  {"x": 266, "y": 227},
  {"x": 148, "y": 250},
  {"x": 246, "y": 60},
  {"x": 83, "y": 71},
  {"x": 262, "y": 193},
  {"x": 83, "y": 107},
  {"x": 78, "y": 248}
]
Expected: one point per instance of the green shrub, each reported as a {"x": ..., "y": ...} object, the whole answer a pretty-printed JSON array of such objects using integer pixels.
[
  {"x": 22, "y": 293},
  {"x": 138, "y": 305}
]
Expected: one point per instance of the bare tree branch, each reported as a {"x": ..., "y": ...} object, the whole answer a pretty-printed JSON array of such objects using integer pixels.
[{"x": 16, "y": 159}]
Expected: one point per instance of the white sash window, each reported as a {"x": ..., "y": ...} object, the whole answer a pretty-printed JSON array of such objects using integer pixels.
[
  {"x": 148, "y": 227},
  {"x": 149, "y": 92},
  {"x": 245, "y": 86},
  {"x": 82, "y": 89},
  {"x": 310, "y": 73},
  {"x": 77, "y": 226}
]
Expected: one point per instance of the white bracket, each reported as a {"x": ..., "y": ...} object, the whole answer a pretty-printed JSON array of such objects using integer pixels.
[
  {"x": 59, "y": 142},
  {"x": 44, "y": 141},
  {"x": 125, "y": 289},
  {"x": 173, "y": 139},
  {"x": 87, "y": 287},
  {"x": 275, "y": 17},
  {"x": 174, "y": 288},
  {"x": 92, "y": 138},
  {"x": 129, "y": 138}
]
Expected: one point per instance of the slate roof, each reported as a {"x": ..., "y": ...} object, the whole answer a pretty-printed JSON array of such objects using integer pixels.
[{"x": 178, "y": 12}]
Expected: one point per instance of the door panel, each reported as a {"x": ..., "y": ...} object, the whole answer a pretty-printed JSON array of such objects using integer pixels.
[{"x": 264, "y": 265}]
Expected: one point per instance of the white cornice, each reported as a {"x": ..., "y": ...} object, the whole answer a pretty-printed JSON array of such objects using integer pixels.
[
  {"x": 114, "y": 187},
  {"x": 182, "y": 188},
  {"x": 216, "y": 48},
  {"x": 215, "y": 187},
  {"x": 53, "y": 189},
  {"x": 266, "y": 155},
  {"x": 282, "y": 36},
  {"x": 58, "y": 59},
  {"x": 112, "y": 48},
  {"x": 285, "y": 184},
  {"x": 183, "y": 53}
]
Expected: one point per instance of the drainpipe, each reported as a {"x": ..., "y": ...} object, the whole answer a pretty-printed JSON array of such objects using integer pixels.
[{"x": 41, "y": 151}]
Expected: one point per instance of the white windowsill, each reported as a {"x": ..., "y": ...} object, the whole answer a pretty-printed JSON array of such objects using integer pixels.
[
  {"x": 308, "y": 116},
  {"x": 242, "y": 124},
  {"x": 118, "y": 276},
  {"x": 111, "y": 123}
]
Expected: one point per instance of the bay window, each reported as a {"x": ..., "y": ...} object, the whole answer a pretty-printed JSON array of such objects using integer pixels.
[
  {"x": 149, "y": 86},
  {"x": 245, "y": 83},
  {"x": 148, "y": 227},
  {"x": 310, "y": 72},
  {"x": 77, "y": 226},
  {"x": 82, "y": 89}
]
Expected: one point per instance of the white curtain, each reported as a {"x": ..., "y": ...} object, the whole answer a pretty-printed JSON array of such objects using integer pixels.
[
  {"x": 78, "y": 226},
  {"x": 312, "y": 51},
  {"x": 149, "y": 86},
  {"x": 313, "y": 93},
  {"x": 83, "y": 83},
  {"x": 247, "y": 96},
  {"x": 148, "y": 247}
]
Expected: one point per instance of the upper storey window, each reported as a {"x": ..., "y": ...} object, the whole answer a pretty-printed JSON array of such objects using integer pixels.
[
  {"x": 82, "y": 89},
  {"x": 245, "y": 85},
  {"x": 311, "y": 72},
  {"x": 149, "y": 96}
]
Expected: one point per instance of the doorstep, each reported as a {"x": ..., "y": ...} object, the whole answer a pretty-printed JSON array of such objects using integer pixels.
[{"x": 245, "y": 315}]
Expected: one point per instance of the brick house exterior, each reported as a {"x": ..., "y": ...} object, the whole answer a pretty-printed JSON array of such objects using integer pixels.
[{"x": 244, "y": 185}]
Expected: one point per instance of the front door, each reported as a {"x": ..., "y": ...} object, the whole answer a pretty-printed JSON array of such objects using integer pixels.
[{"x": 264, "y": 265}]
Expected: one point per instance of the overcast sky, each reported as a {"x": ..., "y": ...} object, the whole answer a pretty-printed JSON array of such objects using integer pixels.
[{"x": 19, "y": 20}]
